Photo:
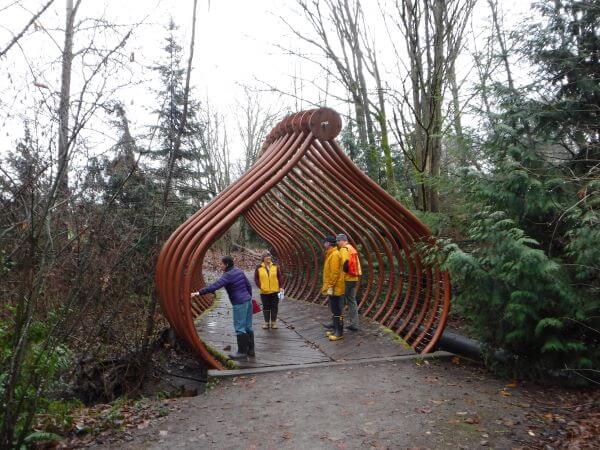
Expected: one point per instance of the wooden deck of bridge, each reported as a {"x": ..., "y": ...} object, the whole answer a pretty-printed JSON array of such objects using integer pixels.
[{"x": 300, "y": 338}]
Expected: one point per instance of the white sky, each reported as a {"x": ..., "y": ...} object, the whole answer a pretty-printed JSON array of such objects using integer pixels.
[{"x": 235, "y": 46}]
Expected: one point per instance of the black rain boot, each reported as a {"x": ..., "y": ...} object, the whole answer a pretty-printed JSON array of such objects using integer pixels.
[
  {"x": 339, "y": 329},
  {"x": 251, "y": 344},
  {"x": 330, "y": 327},
  {"x": 242, "y": 353}
]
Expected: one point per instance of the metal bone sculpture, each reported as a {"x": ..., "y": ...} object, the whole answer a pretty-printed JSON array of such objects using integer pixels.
[{"x": 302, "y": 188}]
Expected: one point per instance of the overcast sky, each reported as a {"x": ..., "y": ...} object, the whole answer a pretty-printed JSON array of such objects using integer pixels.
[{"x": 237, "y": 44}]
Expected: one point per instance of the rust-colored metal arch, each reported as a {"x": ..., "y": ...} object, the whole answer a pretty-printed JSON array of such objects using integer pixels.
[{"x": 304, "y": 187}]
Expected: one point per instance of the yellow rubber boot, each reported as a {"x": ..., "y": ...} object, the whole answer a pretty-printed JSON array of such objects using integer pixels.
[{"x": 338, "y": 332}]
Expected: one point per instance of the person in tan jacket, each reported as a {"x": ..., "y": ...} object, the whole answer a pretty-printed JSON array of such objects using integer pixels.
[
  {"x": 352, "y": 272},
  {"x": 333, "y": 287}
]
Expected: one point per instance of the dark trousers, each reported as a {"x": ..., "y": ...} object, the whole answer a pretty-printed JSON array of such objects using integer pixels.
[
  {"x": 336, "y": 303},
  {"x": 270, "y": 306}
]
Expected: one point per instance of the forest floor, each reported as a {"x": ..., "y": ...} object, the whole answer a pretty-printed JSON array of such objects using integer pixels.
[{"x": 437, "y": 403}]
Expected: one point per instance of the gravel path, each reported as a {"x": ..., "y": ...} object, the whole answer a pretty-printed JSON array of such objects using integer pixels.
[{"x": 437, "y": 404}]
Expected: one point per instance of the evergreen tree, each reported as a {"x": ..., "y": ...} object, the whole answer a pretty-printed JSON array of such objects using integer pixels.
[
  {"x": 567, "y": 50},
  {"x": 187, "y": 167},
  {"x": 127, "y": 182},
  {"x": 530, "y": 282}
]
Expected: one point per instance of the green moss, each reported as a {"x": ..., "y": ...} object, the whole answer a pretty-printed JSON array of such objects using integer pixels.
[
  {"x": 397, "y": 339},
  {"x": 212, "y": 383},
  {"x": 228, "y": 363}
]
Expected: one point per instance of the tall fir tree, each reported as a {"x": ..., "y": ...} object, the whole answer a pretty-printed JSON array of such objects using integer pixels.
[{"x": 186, "y": 167}]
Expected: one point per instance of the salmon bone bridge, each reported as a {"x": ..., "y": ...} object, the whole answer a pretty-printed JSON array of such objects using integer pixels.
[{"x": 302, "y": 188}]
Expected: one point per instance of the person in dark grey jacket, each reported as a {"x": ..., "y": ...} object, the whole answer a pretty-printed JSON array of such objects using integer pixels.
[{"x": 239, "y": 291}]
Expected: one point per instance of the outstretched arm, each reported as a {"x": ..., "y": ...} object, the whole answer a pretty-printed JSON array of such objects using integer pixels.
[{"x": 214, "y": 286}]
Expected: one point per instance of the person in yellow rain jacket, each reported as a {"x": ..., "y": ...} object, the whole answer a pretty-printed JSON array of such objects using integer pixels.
[
  {"x": 352, "y": 272},
  {"x": 267, "y": 278},
  {"x": 333, "y": 287}
]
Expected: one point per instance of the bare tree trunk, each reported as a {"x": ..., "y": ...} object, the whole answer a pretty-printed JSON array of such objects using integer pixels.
[
  {"x": 182, "y": 125},
  {"x": 343, "y": 48},
  {"x": 432, "y": 30},
  {"x": 63, "y": 107},
  {"x": 502, "y": 42},
  {"x": 456, "y": 116},
  {"x": 436, "y": 101},
  {"x": 382, "y": 120},
  {"x": 350, "y": 29}
]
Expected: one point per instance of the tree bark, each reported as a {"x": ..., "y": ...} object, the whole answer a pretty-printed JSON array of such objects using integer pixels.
[
  {"x": 182, "y": 125},
  {"x": 502, "y": 42},
  {"x": 432, "y": 30},
  {"x": 437, "y": 98},
  {"x": 382, "y": 120},
  {"x": 63, "y": 107}
]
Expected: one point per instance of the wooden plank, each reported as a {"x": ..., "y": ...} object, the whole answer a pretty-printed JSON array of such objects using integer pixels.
[{"x": 300, "y": 338}]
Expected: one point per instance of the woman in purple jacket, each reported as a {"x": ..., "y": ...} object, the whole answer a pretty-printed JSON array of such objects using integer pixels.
[{"x": 239, "y": 291}]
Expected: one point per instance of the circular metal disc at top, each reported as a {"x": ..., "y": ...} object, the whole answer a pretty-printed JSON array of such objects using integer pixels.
[{"x": 325, "y": 124}]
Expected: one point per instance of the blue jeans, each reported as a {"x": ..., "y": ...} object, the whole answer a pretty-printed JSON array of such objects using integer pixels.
[
  {"x": 349, "y": 299},
  {"x": 242, "y": 317}
]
